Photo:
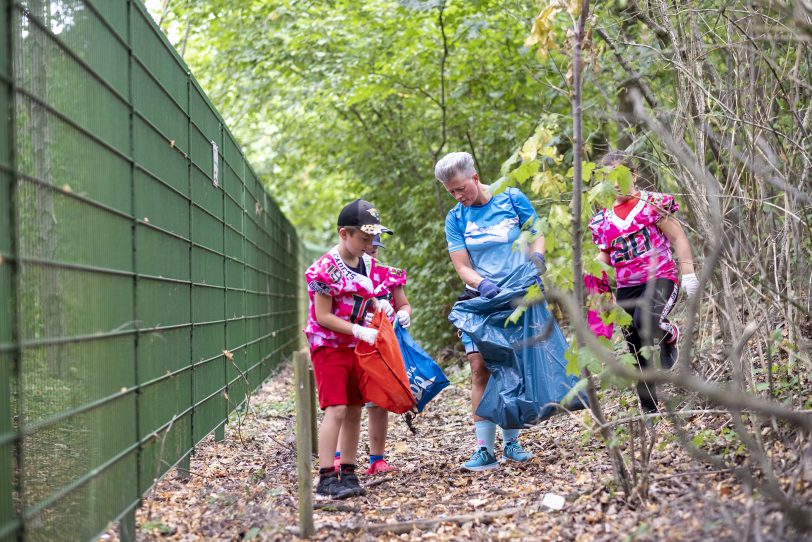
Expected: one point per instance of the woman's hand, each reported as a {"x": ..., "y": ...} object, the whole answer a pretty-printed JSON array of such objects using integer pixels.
[
  {"x": 488, "y": 289},
  {"x": 538, "y": 260}
]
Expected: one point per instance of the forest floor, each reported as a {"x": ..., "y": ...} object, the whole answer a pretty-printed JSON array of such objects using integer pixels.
[{"x": 244, "y": 488}]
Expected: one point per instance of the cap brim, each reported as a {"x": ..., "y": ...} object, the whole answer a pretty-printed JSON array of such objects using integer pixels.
[{"x": 375, "y": 229}]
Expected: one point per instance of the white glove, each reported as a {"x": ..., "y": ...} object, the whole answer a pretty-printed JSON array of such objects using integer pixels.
[
  {"x": 366, "y": 334},
  {"x": 690, "y": 285},
  {"x": 404, "y": 319},
  {"x": 368, "y": 318},
  {"x": 385, "y": 306}
]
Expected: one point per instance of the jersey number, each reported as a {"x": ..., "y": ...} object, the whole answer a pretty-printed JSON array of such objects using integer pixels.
[
  {"x": 360, "y": 306},
  {"x": 631, "y": 246}
]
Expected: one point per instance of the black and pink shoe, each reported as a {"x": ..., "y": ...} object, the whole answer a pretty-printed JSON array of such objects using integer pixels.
[{"x": 669, "y": 349}]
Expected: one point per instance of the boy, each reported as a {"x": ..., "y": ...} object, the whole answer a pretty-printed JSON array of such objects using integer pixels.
[
  {"x": 388, "y": 293},
  {"x": 342, "y": 288}
]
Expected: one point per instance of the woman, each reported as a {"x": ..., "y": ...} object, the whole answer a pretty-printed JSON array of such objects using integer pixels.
[{"x": 481, "y": 231}]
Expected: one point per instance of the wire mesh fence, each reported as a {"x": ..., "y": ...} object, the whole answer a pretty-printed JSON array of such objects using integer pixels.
[{"x": 148, "y": 281}]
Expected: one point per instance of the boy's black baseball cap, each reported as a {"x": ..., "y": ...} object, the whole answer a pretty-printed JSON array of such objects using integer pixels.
[{"x": 362, "y": 215}]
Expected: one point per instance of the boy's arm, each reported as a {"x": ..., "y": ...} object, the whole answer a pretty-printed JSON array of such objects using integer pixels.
[
  {"x": 326, "y": 318},
  {"x": 404, "y": 314},
  {"x": 401, "y": 303},
  {"x": 682, "y": 248}
]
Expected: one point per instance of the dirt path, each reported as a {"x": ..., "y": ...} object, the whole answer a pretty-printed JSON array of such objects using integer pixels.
[{"x": 245, "y": 487}]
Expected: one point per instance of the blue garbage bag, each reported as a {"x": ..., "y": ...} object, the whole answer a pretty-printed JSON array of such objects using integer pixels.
[
  {"x": 528, "y": 378},
  {"x": 426, "y": 378}
]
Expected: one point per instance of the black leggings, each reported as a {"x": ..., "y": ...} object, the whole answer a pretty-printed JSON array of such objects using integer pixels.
[{"x": 649, "y": 305}]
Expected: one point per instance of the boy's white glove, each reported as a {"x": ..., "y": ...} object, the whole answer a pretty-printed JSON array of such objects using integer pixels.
[
  {"x": 690, "y": 285},
  {"x": 385, "y": 306},
  {"x": 366, "y": 334},
  {"x": 404, "y": 319}
]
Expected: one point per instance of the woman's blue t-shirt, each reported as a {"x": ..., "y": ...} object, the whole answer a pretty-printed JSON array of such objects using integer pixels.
[{"x": 488, "y": 232}]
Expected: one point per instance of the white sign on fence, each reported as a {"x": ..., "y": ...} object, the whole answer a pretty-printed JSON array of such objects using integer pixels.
[{"x": 215, "y": 176}]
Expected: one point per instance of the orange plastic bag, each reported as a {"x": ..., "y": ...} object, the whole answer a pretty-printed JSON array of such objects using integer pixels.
[{"x": 383, "y": 380}]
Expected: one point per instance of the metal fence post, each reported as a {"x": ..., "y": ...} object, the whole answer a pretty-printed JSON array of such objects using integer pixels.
[
  {"x": 184, "y": 468},
  {"x": 304, "y": 416},
  {"x": 126, "y": 526}
]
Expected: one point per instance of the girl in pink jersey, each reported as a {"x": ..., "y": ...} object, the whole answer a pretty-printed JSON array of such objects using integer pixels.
[{"x": 636, "y": 237}]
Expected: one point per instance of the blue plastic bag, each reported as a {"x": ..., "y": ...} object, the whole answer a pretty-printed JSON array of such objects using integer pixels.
[
  {"x": 528, "y": 378},
  {"x": 426, "y": 378}
]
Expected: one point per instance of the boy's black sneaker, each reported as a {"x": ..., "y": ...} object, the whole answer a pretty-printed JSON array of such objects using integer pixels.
[
  {"x": 330, "y": 486},
  {"x": 350, "y": 480}
]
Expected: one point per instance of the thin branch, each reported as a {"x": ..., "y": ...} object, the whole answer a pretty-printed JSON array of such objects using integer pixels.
[{"x": 443, "y": 107}]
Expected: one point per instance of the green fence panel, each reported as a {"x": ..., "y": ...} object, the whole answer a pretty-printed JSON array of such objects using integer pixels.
[
  {"x": 8, "y": 521},
  {"x": 8, "y": 436},
  {"x": 149, "y": 283}
]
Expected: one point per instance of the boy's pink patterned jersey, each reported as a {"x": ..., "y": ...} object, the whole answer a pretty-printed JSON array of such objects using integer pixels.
[
  {"x": 638, "y": 249},
  {"x": 352, "y": 294}
]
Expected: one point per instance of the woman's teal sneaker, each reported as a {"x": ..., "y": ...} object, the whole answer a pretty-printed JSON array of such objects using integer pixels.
[
  {"x": 481, "y": 460},
  {"x": 514, "y": 451}
]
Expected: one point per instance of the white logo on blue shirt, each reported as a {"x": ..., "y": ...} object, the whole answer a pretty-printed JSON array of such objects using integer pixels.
[{"x": 497, "y": 233}]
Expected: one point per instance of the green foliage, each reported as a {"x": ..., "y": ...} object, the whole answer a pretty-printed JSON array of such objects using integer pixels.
[
  {"x": 616, "y": 315},
  {"x": 621, "y": 177},
  {"x": 724, "y": 441},
  {"x": 360, "y": 100},
  {"x": 157, "y": 527},
  {"x": 579, "y": 359},
  {"x": 575, "y": 391},
  {"x": 533, "y": 295}
]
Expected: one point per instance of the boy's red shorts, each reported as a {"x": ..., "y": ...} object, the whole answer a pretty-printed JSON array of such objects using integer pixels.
[{"x": 338, "y": 376}]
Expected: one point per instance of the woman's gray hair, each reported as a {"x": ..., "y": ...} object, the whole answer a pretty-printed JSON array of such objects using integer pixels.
[{"x": 453, "y": 164}]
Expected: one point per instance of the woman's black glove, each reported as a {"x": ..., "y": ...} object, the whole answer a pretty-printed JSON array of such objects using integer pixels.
[{"x": 538, "y": 260}]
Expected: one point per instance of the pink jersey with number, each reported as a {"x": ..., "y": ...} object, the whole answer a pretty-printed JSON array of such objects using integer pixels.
[
  {"x": 638, "y": 249},
  {"x": 352, "y": 294}
]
